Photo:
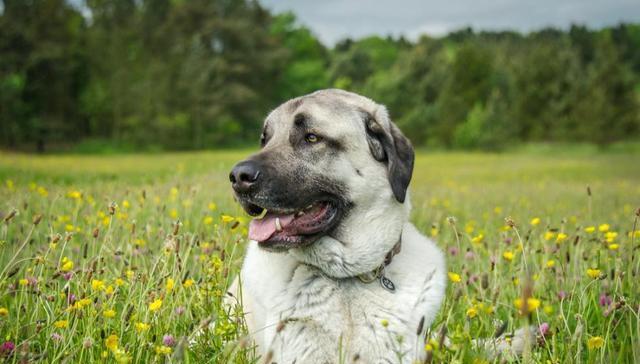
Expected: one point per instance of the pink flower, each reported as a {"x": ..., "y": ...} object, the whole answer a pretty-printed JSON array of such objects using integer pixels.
[
  {"x": 67, "y": 276},
  {"x": 604, "y": 300},
  {"x": 562, "y": 295},
  {"x": 169, "y": 340},
  {"x": 469, "y": 255},
  {"x": 7, "y": 348},
  {"x": 544, "y": 329},
  {"x": 180, "y": 310},
  {"x": 453, "y": 251},
  {"x": 56, "y": 337}
]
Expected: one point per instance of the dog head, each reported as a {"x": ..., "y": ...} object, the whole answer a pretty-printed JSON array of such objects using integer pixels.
[{"x": 330, "y": 180}]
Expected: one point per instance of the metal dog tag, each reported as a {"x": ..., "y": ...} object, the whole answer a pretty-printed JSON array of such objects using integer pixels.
[{"x": 387, "y": 284}]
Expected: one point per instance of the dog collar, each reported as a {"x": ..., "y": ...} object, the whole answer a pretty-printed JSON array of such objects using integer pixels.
[{"x": 378, "y": 273}]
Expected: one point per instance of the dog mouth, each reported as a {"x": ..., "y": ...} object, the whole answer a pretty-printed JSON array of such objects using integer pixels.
[{"x": 284, "y": 228}]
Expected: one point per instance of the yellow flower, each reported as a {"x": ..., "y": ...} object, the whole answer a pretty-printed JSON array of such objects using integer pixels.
[
  {"x": 384, "y": 323},
  {"x": 614, "y": 246},
  {"x": 434, "y": 231},
  {"x": 67, "y": 265},
  {"x": 477, "y": 239},
  {"x": 188, "y": 283},
  {"x": 62, "y": 324},
  {"x": 603, "y": 228},
  {"x": 532, "y": 304},
  {"x": 208, "y": 220},
  {"x": 126, "y": 204},
  {"x": 170, "y": 284},
  {"x": 535, "y": 221},
  {"x": 129, "y": 274},
  {"x": 111, "y": 342},
  {"x": 508, "y": 255},
  {"x": 472, "y": 312},
  {"x": 593, "y": 273},
  {"x": 590, "y": 229},
  {"x": 83, "y": 302},
  {"x": 561, "y": 237},
  {"x": 610, "y": 236},
  {"x": 155, "y": 305},
  {"x": 141, "y": 326},
  {"x": 549, "y": 235},
  {"x": 97, "y": 285},
  {"x": 42, "y": 191},
  {"x": 548, "y": 309},
  {"x": 119, "y": 282},
  {"x": 595, "y": 342},
  {"x": 4, "y": 312},
  {"x": 454, "y": 277},
  {"x": 227, "y": 218},
  {"x": 212, "y": 206},
  {"x": 163, "y": 350},
  {"x": 173, "y": 213},
  {"x": 551, "y": 263},
  {"x": 23, "y": 282},
  {"x": 76, "y": 195}
]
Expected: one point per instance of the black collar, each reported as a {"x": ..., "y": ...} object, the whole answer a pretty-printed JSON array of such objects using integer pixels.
[{"x": 378, "y": 272}]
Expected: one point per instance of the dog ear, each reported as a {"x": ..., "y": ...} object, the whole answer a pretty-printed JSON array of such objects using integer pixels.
[{"x": 393, "y": 148}]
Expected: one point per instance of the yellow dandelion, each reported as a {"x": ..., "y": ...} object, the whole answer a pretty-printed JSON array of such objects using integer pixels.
[
  {"x": 434, "y": 231},
  {"x": 603, "y": 228},
  {"x": 532, "y": 304},
  {"x": 111, "y": 342},
  {"x": 472, "y": 312},
  {"x": 535, "y": 221},
  {"x": 119, "y": 282},
  {"x": 227, "y": 218},
  {"x": 549, "y": 235},
  {"x": 129, "y": 273},
  {"x": 454, "y": 277},
  {"x": 109, "y": 313},
  {"x": 610, "y": 236},
  {"x": 62, "y": 324},
  {"x": 508, "y": 255},
  {"x": 595, "y": 342},
  {"x": 590, "y": 229},
  {"x": 208, "y": 220},
  {"x": 212, "y": 206},
  {"x": 548, "y": 309},
  {"x": 593, "y": 273},
  {"x": 76, "y": 195},
  {"x": 614, "y": 246},
  {"x": 141, "y": 327},
  {"x": 384, "y": 323},
  {"x": 173, "y": 214},
  {"x": 155, "y": 305},
  {"x": 551, "y": 263},
  {"x": 97, "y": 285},
  {"x": 23, "y": 282},
  {"x": 4, "y": 312},
  {"x": 477, "y": 239},
  {"x": 163, "y": 350},
  {"x": 42, "y": 191},
  {"x": 188, "y": 283},
  {"x": 126, "y": 204},
  {"x": 561, "y": 237},
  {"x": 67, "y": 265},
  {"x": 170, "y": 284}
]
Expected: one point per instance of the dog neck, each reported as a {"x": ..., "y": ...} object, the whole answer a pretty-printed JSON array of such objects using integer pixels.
[{"x": 379, "y": 271}]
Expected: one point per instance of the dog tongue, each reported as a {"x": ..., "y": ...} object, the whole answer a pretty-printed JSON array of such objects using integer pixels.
[{"x": 262, "y": 229}]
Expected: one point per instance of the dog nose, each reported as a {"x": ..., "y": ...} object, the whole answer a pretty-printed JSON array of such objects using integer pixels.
[{"x": 244, "y": 175}]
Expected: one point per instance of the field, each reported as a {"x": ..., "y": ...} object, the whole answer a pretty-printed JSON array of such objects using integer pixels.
[{"x": 123, "y": 258}]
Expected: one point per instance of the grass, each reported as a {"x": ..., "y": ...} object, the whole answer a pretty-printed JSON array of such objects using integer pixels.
[{"x": 124, "y": 257}]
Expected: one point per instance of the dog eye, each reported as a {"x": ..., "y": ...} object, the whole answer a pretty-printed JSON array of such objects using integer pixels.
[{"x": 311, "y": 138}]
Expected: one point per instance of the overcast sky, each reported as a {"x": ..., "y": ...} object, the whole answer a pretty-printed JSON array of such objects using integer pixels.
[{"x": 333, "y": 20}]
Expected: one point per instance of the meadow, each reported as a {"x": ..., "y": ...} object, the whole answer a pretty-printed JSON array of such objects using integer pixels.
[{"x": 123, "y": 258}]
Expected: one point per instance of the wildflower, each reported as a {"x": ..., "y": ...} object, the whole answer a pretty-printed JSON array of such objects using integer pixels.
[
  {"x": 548, "y": 309},
  {"x": 561, "y": 237},
  {"x": 532, "y": 304},
  {"x": 453, "y": 251},
  {"x": 603, "y": 228},
  {"x": 508, "y": 255},
  {"x": 595, "y": 342},
  {"x": 562, "y": 295},
  {"x": 549, "y": 235},
  {"x": 543, "y": 329},
  {"x": 384, "y": 323},
  {"x": 129, "y": 274},
  {"x": 76, "y": 195},
  {"x": 4, "y": 312},
  {"x": 109, "y": 290},
  {"x": 535, "y": 221},
  {"x": 469, "y": 255},
  {"x": 23, "y": 282},
  {"x": 610, "y": 236},
  {"x": 590, "y": 229},
  {"x": 119, "y": 282},
  {"x": 477, "y": 239},
  {"x": 126, "y": 204},
  {"x": 170, "y": 284},
  {"x": 62, "y": 324},
  {"x": 188, "y": 283},
  {"x": 141, "y": 326},
  {"x": 173, "y": 214},
  {"x": 454, "y": 277},
  {"x": 593, "y": 273},
  {"x": 111, "y": 342},
  {"x": 97, "y": 285},
  {"x": 208, "y": 220},
  {"x": 472, "y": 312},
  {"x": 87, "y": 342},
  {"x": 604, "y": 300},
  {"x": 163, "y": 350},
  {"x": 212, "y": 206},
  {"x": 67, "y": 265},
  {"x": 109, "y": 313},
  {"x": 180, "y": 310},
  {"x": 155, "y": 305},
  {"x": 614, "y": 246},
  {"x": 169, "y": 340},
  {"x": 7, "y": 348},
  {"x": 56, "y": 337},
  {"x": 434, "y": 231},
  {"x": 551, "y": 263},
  {"x": 227, "y": 218}
]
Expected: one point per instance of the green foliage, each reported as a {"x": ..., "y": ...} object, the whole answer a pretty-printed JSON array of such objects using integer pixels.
[{"x": 203, "y": 74}]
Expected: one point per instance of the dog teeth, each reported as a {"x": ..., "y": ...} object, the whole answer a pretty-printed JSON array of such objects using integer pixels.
[{"x": 278, "y": 226}]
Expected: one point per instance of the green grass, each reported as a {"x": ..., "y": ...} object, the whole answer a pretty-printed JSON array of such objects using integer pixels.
[{"x": 138, "y": 250}]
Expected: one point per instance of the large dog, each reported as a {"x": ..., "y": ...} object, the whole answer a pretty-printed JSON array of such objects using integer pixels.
[{"x": 334, "y": 271}]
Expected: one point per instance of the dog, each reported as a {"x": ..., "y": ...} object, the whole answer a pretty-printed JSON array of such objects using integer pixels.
[{"x": 334, "y": 271}]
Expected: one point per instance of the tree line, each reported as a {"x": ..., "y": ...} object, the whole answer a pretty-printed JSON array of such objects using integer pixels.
[{"x": 194, "y": 74}]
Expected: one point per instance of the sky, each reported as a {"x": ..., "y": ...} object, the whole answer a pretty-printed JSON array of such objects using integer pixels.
[{"x": 332, "y": 20}]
